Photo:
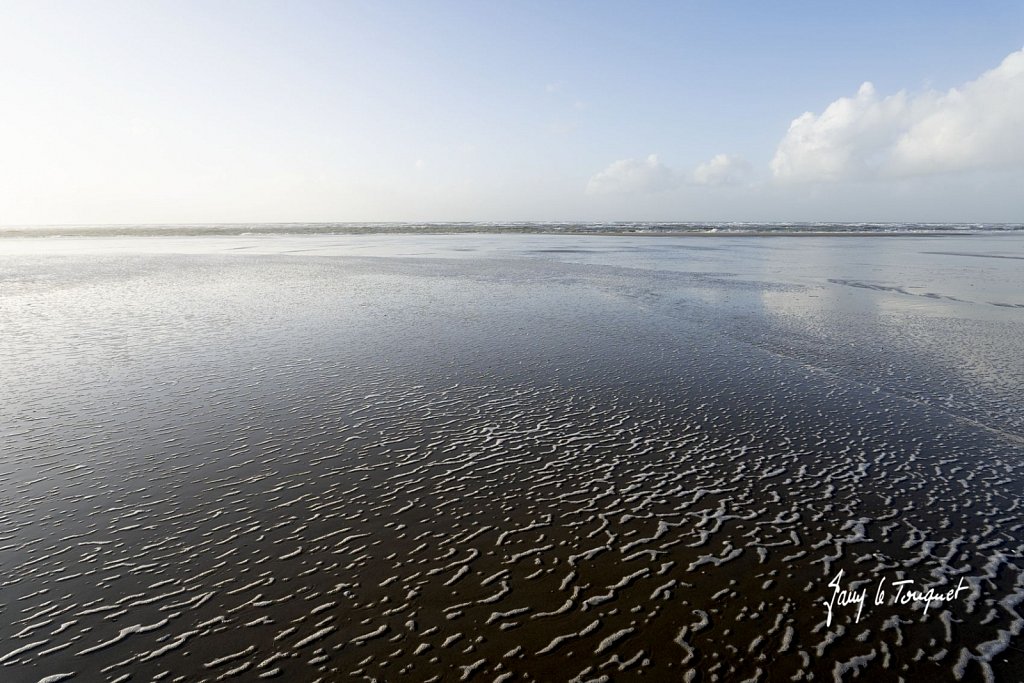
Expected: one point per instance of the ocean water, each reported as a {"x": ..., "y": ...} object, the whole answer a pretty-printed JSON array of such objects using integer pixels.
[
  {"x": 523, "y": 227},
  {"x": 511, "y": 457}
]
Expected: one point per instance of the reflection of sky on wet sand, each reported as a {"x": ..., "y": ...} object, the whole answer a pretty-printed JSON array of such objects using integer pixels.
[
  {"x": 970, "y": 346},
  {"x": 807, "y": 283},
  {"x": 909, "y": 273},
  {"x": 926, "y": 322},
  {"x": 948, "y": 265}
]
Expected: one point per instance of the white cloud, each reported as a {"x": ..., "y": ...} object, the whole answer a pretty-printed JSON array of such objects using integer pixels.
[
  {"x": 723, "y": 169},
  {"x": 978, "y": 125},
  {"x": 646, "y": 176},
  {"x": 632, "y": 176}
]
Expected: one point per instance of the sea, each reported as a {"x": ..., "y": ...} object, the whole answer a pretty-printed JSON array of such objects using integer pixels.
[{"x": 522, "y": 227}]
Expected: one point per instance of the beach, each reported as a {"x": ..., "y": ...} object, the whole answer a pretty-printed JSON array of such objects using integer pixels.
[{"x": 513, "y": 457}]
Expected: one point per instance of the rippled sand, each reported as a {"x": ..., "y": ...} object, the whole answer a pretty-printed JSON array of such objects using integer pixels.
[{"x": 512, "y": 458}]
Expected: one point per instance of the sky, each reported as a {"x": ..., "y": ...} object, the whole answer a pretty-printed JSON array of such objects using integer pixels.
[{"x": 148, "y": 111}]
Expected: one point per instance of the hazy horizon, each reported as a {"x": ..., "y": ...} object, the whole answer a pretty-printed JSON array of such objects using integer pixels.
[{"x": 498, "y": 223}]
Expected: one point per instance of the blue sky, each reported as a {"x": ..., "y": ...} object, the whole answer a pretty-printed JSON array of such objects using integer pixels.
[{"x": 295, "y": 111}]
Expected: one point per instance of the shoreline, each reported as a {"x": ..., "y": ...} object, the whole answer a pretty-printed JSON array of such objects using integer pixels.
[{"x": 113, "y": 232}]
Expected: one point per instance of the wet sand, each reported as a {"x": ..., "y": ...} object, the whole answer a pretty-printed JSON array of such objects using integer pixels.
[{"x": 505, "y": 458}]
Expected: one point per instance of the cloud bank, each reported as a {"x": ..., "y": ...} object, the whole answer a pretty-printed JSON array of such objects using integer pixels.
[
  {"x": 976, "y": 126},
  {"x": 632, "y": 176},
  {"x": 646, "y": 176},
  {"x": 723, "y": 169}
]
